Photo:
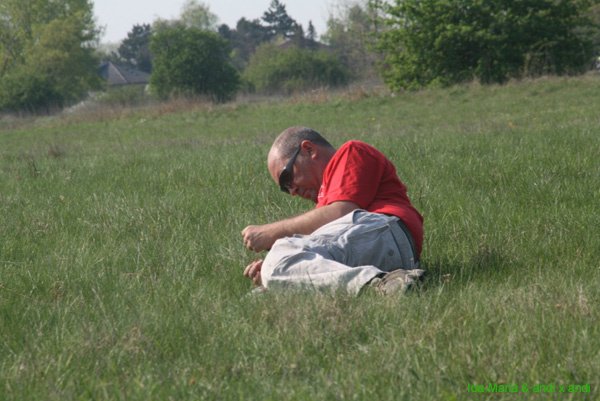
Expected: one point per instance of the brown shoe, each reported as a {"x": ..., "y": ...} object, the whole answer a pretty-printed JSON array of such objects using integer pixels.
[{"x": 397, "y": 281}]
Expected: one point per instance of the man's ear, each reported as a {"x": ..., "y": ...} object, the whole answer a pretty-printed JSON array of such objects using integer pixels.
[{"x": 310, "y": 148}]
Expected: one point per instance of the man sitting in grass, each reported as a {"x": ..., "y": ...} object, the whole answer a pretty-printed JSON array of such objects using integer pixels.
[{"x": 364, "y": 232}]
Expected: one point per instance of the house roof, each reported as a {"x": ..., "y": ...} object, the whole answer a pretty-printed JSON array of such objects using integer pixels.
[{"x": 117, "y": 74}]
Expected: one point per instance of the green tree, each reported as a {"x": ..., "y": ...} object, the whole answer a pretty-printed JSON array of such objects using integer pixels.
[
  {"x": 64, "y": 53},
  {"x": 278, "y": 21},
  {"x": 594, "y": 31},
  {"x": 273, "y": 70},
  {"x": 53, "y": 43},
  {"x": 196, "y": 14},
  {"x": 18, "y": 22},
  {"x": 21, "y": 23},
  {"x": 311, "y": 33},
  {"x": 297, "y": 37},
  {"x": 247, "y": 35},
  {"x": 191, "y": 62},
  {"x": 134, "y": 51},
  {"x": 445, "y": 42},
  {"x": 349, "y": 31}
]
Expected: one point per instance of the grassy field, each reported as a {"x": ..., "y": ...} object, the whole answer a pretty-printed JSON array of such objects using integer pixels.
[{"x": 121, "y": 256}]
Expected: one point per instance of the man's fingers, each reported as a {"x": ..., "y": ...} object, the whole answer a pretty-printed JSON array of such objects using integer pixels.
[
  {"x": 247, "y": 270},
  {"x": 250, "y": 270},
  {"x": 246, "y": 240},
  {"x": 253, "y": 269},
  {"x": 257, "y": 280}
]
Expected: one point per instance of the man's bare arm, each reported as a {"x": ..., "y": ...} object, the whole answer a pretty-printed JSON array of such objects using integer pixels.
[{"x": 259, "y": 238}]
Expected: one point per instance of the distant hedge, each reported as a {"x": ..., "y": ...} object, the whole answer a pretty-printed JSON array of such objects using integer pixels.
[
  {"x": 274, "y": 70},
  {"x": 25, "y": 91}
]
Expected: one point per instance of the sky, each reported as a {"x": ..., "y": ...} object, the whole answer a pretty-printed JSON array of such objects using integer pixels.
[{"x": 119, "y": 16}]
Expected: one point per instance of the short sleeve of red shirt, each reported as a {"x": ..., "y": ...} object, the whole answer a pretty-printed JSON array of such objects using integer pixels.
[{"x": 361, "y": 174}]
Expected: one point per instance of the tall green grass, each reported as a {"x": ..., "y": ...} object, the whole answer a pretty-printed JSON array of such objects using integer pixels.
[{"x": 121, "y": 257}]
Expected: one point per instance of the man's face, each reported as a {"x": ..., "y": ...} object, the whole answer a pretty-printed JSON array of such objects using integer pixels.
[{"x": 306, "y": 181}]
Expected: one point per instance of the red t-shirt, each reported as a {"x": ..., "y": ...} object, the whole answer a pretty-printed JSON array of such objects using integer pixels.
[{"x": 361, "y": 174}]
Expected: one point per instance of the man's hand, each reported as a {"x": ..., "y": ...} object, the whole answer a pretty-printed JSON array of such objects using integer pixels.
[
  {"x": 259, "y": 238},
  {"x": 252, "y": 271}
]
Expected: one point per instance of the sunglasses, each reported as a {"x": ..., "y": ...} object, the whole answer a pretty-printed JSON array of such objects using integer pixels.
[{"x": 287, "y": 174}]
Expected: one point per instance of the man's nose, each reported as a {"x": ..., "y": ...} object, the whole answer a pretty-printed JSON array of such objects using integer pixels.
[{"x": 293, "y": 190}]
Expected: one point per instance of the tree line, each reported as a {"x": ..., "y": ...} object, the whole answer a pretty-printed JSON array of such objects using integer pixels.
[
  {"x": 49, "y": 49},
  {"x": 226, "y": 59}
]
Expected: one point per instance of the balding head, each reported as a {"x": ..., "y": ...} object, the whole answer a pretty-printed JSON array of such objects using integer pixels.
[{"x": 289, "y": 140}]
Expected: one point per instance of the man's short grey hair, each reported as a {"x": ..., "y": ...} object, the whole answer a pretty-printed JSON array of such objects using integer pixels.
[{"x": 290, "y": 139}]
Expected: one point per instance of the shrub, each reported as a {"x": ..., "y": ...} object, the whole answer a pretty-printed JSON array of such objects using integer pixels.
[
  {"x": 273, "y": 70},
  {"x": 29, "y": 92}
]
